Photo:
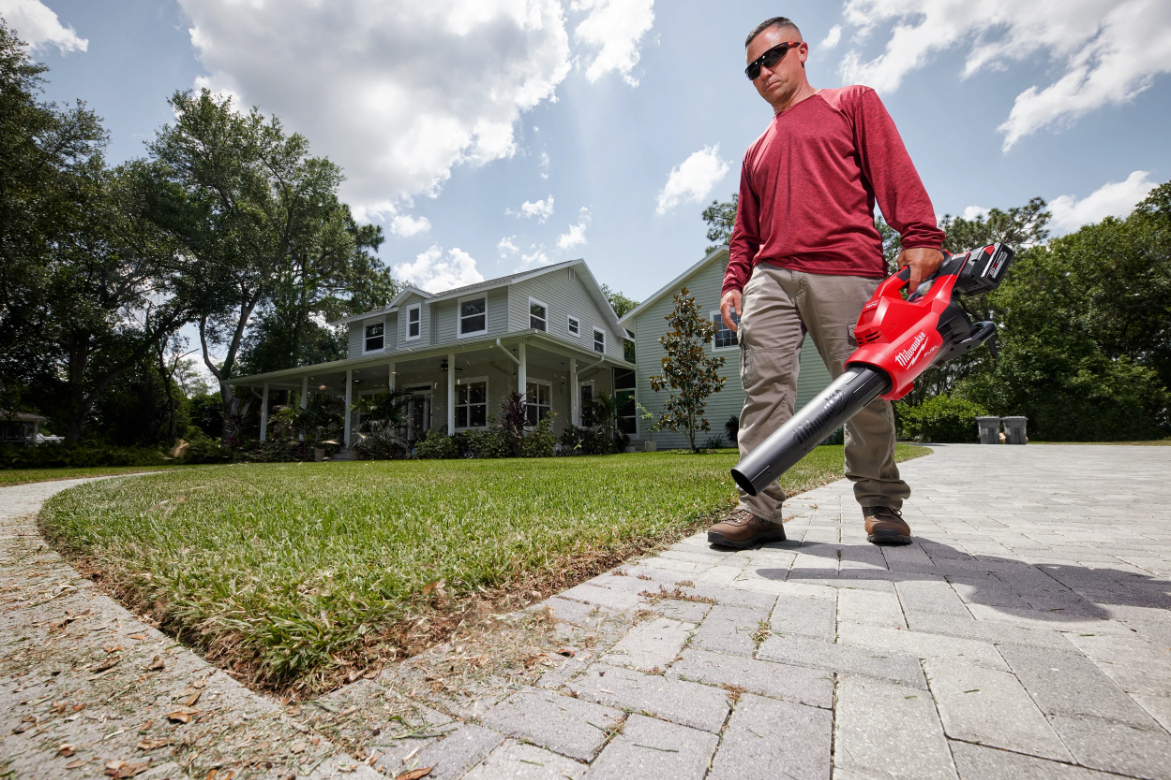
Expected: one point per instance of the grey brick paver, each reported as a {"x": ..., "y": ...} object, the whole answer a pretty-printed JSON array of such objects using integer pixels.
[
  {"x": 767, "y": 739},
  {"x": 562, "y": 724},
  {"x": 809, "y": 617},
  {"x": 517, "y": 761},
  {"x": 875, "y": 721},
  {"x": 807, "y": 686},
  {"x": 686, "y": 703},
  {"x": 816, "y": 654},
  {"x": 452, "y": 756},
  {"x": 650, "y": 749},
  {"x": 729, "y": 630},
  {"x": 992, "y": 708},
  {"x": 983, "y": 763},
  {"x": 650, "y": 645},
  {"x": 921, "y": 644}
]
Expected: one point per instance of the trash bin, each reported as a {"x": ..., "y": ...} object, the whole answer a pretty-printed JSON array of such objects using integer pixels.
[
  {"x": 989, "y": 428},
  {"x": 1014, "y": 430}
]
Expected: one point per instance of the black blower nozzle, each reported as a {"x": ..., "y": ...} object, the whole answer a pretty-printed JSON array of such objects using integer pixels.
[{"x": 845, "y": 397}]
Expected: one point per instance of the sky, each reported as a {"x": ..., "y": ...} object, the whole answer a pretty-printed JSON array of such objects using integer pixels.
[{"x": 492, "y": 136}]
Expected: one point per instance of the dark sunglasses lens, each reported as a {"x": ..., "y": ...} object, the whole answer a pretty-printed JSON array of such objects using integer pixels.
[{"x": 768, "y": 60}]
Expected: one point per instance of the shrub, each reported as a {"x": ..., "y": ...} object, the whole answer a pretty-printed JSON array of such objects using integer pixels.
[
  {"x": 488, "y": 443},
  {"x": 714, "y": 443},
  {"x": 732, "y": 426},
  {"x": 204, "y": 450},
  {"x": 438, "y": 445},
  {"x": 277, "y": 451},
  {"x": 50, "y": 456},
  {"x": 540, "y": 442},
  {"x": 941, "y": 419}
]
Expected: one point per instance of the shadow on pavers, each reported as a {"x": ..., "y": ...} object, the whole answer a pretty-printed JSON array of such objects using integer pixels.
[{"x": 1043, "y": 591}]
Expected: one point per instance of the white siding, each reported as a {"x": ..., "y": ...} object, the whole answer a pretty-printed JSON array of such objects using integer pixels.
[{"x": 650, "y": 325}]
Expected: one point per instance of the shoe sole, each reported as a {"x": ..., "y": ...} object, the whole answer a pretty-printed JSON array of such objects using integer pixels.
[
  {"x": 719, "y": 540},
  {"x": 888, "y": 540}
]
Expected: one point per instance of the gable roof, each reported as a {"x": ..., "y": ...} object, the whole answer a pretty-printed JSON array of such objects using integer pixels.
[
  {"x": 718, "y": 253},
  {"x": 579, "y": 265}
]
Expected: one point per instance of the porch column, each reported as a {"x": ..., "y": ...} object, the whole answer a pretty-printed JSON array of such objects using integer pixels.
[
  {"x": 304, "y": 400},
  {"x": 450, "y": 393},
  {"x": 390, "y": 377},
  {"x": 264, "y": 413},
  {"x": 349, "y": 400},
  {"x": 574, "y": 395},
  {"x": 522, "y": 368}
]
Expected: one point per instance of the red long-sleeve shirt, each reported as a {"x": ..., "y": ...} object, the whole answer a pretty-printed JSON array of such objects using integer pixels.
[{"x": 809, "y": 184}]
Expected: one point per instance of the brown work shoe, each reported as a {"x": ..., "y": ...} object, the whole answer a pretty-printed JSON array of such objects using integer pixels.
[
  {"x": 886, "y": 526},
  {"x": 743, "y": 529}
]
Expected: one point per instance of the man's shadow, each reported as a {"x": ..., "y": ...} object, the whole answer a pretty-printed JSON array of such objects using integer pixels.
[{"x": 1060, "y": 592}]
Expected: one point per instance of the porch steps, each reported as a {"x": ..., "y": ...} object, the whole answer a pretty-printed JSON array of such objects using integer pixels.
[{"x": 343, "y": 454}]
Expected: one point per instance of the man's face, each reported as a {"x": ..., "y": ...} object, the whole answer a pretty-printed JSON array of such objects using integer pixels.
[{"x": 778, "y": 83}]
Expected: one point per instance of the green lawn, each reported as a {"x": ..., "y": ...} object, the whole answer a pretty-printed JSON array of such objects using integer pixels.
[
  {"x": 22, "y": 476},
  {"x": 290, "y": 569}
]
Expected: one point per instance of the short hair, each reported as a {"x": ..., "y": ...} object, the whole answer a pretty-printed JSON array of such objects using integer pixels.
[{"x": 776, "y": 21}]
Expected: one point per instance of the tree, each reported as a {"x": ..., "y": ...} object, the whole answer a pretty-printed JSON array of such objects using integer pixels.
[
  {"x": 721, "y": 220},
  {"x": 263, "y": 219},
  {"x": 621, "y": 306},
  {"x": 688, "y": 370}
]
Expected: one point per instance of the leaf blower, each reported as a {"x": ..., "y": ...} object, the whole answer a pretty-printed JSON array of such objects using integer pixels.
[{"x": 897, "y": 341}]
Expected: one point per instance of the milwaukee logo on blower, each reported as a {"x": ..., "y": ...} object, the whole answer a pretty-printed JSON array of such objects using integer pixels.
[{"x": 909, "y": 355}]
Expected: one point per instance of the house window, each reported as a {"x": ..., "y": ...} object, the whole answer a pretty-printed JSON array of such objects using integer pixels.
[
  {"x": 473, "y": 316},
  {"x": 537, "y": 315},
  {"x": 414, "y": 321},
  {"x": 574, "y": 325},
  {"x": 599, "y": 340},
  {"x": 471, "y": 403},
  {"x": 538, "y": 400},
  {"x": 572, "y": 275},
  {"x": 587, "y": 403},
  {"x": 375, "y": 337},
  {"x": 725, "y": 338}
]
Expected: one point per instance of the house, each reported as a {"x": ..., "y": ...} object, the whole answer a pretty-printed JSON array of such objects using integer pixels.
[
  {"x": 20, "y": 428},
  {"x": 647, "y": 322},
  {"x": 549, "y": 334}
]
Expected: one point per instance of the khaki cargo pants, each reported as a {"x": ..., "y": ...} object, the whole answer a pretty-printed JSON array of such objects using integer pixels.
[{"x": 780, "y": 307}]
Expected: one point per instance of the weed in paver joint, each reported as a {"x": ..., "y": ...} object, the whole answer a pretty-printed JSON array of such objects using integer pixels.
[
  {"x": 676, "y": 595},
  {"x": 762, "y": 632}
]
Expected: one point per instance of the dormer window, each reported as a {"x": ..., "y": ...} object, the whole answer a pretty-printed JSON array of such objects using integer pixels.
[
  {"x": 414, "y": 321},
  {"x": 574, "y": 324},
  {"x": 473, "y": 316},
  {"x": 599, "y": 340},
  {"x": 375, "y": 337},
  {"x": 538, "y": 315}
]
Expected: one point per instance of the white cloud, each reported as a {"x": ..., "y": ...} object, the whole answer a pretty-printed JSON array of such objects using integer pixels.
[
  {"x": 435, "y": 272},
  {"x": 36, "y": 25},
  {"x": 576, "y": 234},
  {"x": 507, "y": 246},
  {"x": 613, "y": 30},
  {"x": 833, "y": 38},
  {"x": 541, "y": 209},
  {"x": 1107, "y": 51},
  {"x": 406, "y": 226},
  {"x": 544, "y": 165},
  {"x": 536, "y": 257},
  {"x": 1114, "y": 199},
  {"x": 396, "y": 93},
  {"x": 972, "y": 213},
  {"x": 692, "y": 180}
]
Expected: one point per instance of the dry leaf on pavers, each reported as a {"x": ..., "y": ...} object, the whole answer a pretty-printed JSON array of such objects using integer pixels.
[
  {"x": 123, "y": 769},
  {"x": 568, "y": 653},
  {"x": 220, "y": 774},
  {"x": 193, "y": 698},
  {"x": 106, "y": 665},
  {"x": 76, "y": 763},
  {"x": 415, "y": 774},
  {"x": 139, "y": 637},
  {"x": 182, "y": 715},
  {"x": 153, "y": 744},
  {"x": 298, "y": 747},
  {"x": 156, "y": 665},
  {"x": 26, "y": 723},
  {"x": 65, "y": 749}
]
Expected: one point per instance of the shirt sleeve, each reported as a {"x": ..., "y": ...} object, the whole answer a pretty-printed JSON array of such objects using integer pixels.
[
  {"x": 745, "y": 241},
  {"x": 897, "y": 186}
]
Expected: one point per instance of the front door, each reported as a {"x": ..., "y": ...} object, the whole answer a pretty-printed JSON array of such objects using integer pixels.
[{"x": 418, "y": 413}]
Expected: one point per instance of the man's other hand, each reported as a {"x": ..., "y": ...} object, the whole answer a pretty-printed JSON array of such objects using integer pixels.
[
  {"x": 731, "y": 302},
  {"x": 922, "y": 261}
]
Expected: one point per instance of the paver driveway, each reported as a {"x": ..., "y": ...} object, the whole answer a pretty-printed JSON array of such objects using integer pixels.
[{"x": 1025, "y": 634}]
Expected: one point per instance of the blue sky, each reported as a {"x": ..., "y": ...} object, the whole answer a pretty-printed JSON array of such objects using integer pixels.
[{"x": 494, "y": 135}]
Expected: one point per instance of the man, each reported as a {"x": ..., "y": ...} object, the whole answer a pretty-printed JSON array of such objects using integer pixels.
[{"x": 805, "y": 257}]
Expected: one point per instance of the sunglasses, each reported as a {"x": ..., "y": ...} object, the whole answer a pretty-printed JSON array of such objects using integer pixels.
[{"x": 769, "y": 59}]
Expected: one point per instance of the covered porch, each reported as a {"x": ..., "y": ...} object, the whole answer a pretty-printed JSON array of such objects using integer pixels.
[{"x": 457, "y": 388}]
